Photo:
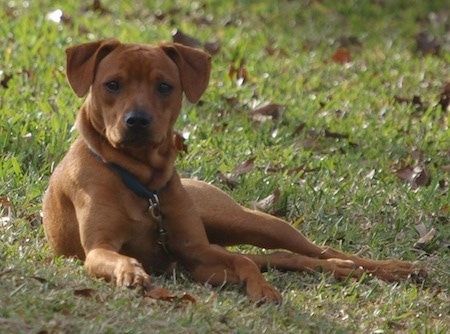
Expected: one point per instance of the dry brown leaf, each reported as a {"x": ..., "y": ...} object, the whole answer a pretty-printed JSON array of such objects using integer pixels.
[
  {"x": 179, "y": 143},
  {"x": 301, "y": 169},
  {"x": 299, "y": 128},
  {"x": 39, "y": 279},
  {"x": 159, "y": 294},
  {"x": 165, "y": 295},
  {"x": 341, "y": 56},
  {"x": 189, "y": 298},
  {"x": 229, "y": 179},
  {"x": 84, "y": 292},
  {"x": 415, "y": 101},
  {"x": 267, "y": 203},
  {"x": 5, "y": 80},
  {"x": 274, "y": 51},
  {"x": 349, "y": 41},
  {"x": 421, "y": 229},
  {"x": 330, "y": 134},
  {"x": 98, "y": 7},
  {"x": 269, "y": 111},
  {"x": 427, "y": 44},
  {"x": 426, "y": 239},
  {"x": 238, "y": 73},
  {"x": 444, "y": 100},
  {"x": 179, "y": 37},
  {"x": 6, "y": 211},
  {"x": 416, "y": 176},
  {"x": 244, "y": 167}
]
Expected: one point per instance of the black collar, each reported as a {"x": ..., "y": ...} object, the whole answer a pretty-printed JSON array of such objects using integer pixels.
[{"x": 133, "y": 183}]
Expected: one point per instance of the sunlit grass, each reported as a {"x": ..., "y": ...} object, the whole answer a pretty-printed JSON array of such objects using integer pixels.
[{"x": 350, "y": 198}]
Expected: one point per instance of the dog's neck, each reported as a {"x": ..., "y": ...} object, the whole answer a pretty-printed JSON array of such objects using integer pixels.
[{"x": 152, "y": 166}]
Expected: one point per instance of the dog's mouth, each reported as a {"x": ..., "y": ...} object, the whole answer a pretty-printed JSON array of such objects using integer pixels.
[{"x": 133, "y": 138}]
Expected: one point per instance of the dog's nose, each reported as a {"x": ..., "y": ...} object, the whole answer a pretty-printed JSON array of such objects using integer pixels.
[{"x": 138, "y": 119}]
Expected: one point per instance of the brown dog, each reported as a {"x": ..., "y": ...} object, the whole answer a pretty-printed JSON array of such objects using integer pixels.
[{"x": 116, "y": 201}]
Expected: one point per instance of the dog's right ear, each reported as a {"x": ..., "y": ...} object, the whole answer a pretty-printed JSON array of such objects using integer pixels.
[{"x": 82, "y": 61}]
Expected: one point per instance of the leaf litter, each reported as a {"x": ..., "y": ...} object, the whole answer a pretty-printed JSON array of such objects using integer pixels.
[
  {"x": 231, "y": 179},
  {"x": 416, "y": 174},
  {"x": 164, "y": 294}
]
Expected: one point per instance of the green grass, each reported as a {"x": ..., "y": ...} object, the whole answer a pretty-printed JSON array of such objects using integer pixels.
[{"x": 352, "y": 199}]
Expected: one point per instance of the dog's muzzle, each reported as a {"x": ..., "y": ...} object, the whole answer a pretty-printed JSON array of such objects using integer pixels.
[
  {"x": 138, "y": 128},
  {"x": 137, "y": 120}
]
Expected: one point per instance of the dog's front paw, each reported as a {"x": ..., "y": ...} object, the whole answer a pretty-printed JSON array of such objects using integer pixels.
[
  {"x": 130, "y": 273},
  {"x": 263, "y": 292}
]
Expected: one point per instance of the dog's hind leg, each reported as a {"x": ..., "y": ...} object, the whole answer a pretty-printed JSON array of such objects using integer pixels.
[{"x": 227, "y": 223}]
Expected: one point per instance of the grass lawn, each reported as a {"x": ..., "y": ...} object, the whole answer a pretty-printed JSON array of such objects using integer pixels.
[{"x": 355, "y": 143}]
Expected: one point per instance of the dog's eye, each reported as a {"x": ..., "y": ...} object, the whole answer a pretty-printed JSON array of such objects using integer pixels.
[
  {"x": 164, "y": 89},
  {"x": 112, "y": 86}
]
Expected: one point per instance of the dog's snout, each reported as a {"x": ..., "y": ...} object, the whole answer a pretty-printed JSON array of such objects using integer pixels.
[{"x": 138, "y": 119}]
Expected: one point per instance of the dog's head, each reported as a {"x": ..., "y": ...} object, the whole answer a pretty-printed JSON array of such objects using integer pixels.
[{"x": 135, "y": 91}]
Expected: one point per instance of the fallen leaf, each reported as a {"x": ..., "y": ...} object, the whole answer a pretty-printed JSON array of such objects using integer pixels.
[
  {"x": 370, "y": 175},
  {"x": 427, "y": 44},
  {"x": 232, "y": 101},
  {"x": 159, "y": 294},
  {"x": 84, "y": 292},
  {"x": 421, "y": 229},
  {"x": 341, "y": 56},
  {"x": 229, "y": 179},
  {"x": 416, "y": 176},
  {"x": 299, "y": 128},
  {"x": 269, "y": 111},
  {"x": 415, "y": 101},
  {"x": 329, "y": 134},
  {"x": 426, "y": 239},
  {"x": 270, "y": 169},
  {"x": 5, "y": 80},
  {"x": 39, "y": 279},
  {"x": 97, "y": 7},
  {"x": 244, "y": 167},
  {"x": 165, "y": 295},
  {"x": 273, "y": 51},
  {"x": 238, "y": 73},
  {"x": 179, "y": 143},
  {"x": 444, "y": 99},
  {"x": 179, "y": 37},
  {"x": 189, "y": 298},
  {"x": 348, "y": 41},
  {"x": 267, "y": 203},
  {"x": 6, "y": 210},
  {"x": 301, "y": 169}
]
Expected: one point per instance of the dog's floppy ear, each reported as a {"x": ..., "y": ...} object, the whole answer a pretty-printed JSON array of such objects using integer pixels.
[
  {"x": 194, "y": 66},
  {"x": 82, "y": 61}
]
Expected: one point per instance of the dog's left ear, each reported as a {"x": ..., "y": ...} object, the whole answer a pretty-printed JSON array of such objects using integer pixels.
[{"x": 194, "y": 66}]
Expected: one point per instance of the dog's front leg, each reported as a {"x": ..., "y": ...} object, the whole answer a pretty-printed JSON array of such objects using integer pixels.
[
  {"x": 112, "y": 266},
  {"x": 207, "y": 263},
  {"x": 214, "y": 265},
  {"x": 103, "y": 233}
]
